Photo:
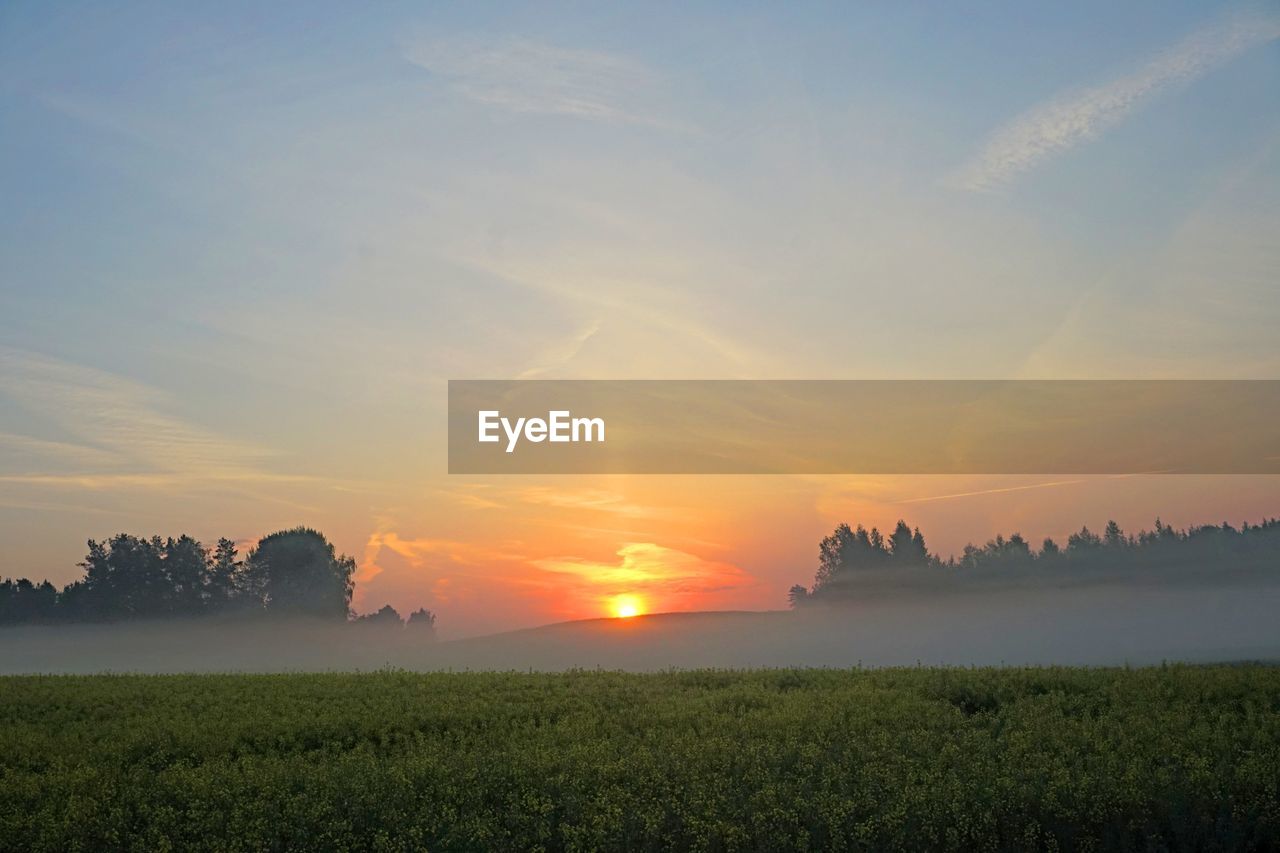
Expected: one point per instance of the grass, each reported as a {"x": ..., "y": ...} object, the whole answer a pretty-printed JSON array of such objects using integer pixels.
[{"x": 1173, "y": 757}]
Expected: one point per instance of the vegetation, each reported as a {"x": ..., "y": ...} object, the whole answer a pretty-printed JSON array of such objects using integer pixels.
[
  {"x": 291, "y": 573},
  {"x": 1069, "y": 759},
  {"x": 849, "y": 552}
]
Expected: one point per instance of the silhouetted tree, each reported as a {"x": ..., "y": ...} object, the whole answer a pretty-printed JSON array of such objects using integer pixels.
[
  {"x": 907, "y": 547},
  {"x": 833, "y": 554},
  {"x": 289, "y": 573},
  {"x": 847, "y": 551},
  {"x": 1083, "y": 541},
  {"x": 423, "y": 622},
  {"x": 386, "y": 617},
  {"x": 125, "y": 578},
  {"x": 296, "y": 572},
  {"x": 73, "y": 603},
  {"x": 224, "y": 575},
  {"x": 1003, "y": 553},
  {"x": 23, "y": 602},
  {"x": 186, "y": 568},
  {"x": 1253, "y": 546}
]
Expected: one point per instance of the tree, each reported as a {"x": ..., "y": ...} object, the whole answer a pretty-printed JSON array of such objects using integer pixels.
[
  {"x": 224, "y": 574},
  {"x": 1113, "y": 536},
  {"x": 845, "y": 552},
  {"x": 1251, "y": 547},
  {"x": 186, "y": 568},
  {"x": 22, "y": 601},
  {"x": 74, "y": 603},
  {"x": 1085, "y": 540},
  {"x": 1011, "y": 553},
  {"x": 296, "y": 572},
  {"x": 907, "y": 547},
  {"x": 125, "y": 578},
  {"x": 386, "y": 617},
  {"x": 423, "y": 622},
  {"x": 131, "y": 577},
  {"x": 917, "y": 542},
  {"x": 833, "y": 554}
]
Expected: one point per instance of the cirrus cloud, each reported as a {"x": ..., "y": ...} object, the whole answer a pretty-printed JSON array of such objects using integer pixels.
[
  {"x": 525, "y": 76},
  {"x": 1074, "y": 118}
]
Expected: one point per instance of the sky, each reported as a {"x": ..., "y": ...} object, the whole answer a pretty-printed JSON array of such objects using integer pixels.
[{"x": 242, "y": 250}]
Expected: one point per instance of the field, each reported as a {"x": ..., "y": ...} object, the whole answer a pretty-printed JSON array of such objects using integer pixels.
[{"x": 1175, "y": 757}]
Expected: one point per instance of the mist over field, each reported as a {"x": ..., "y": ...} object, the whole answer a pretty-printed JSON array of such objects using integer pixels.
[{"x": 898, "y": 622}]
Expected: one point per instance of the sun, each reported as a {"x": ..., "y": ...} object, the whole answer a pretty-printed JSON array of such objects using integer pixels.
[{"x": 626, "y": 606}]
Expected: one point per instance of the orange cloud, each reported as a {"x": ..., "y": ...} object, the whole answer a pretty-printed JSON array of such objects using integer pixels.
[
  {"x": 668, "y": 579},
  {"x": 589, "y": 499}
]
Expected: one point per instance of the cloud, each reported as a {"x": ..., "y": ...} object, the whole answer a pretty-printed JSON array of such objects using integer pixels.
[
  {"x": 476, "y": 586},
  {"x": 116, "y": 416},
  {"x": 599, "y": 500},
  {"x": 114, "y": 433},
  {"x": 419, "y": 551},
  {"x": 525, "y": 76},
  {"x": 28, "y": 450},
  {"x": 646, "y": 567},
  {"x": 1072, "y": 119},
  {"x": 563, "y": 353}
]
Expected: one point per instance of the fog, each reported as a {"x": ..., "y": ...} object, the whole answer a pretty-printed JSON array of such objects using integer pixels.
[{"x": 901, "y": 622}]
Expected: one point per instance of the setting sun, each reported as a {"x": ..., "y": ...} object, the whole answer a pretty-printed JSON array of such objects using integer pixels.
[{"x": 626, "y": 606}]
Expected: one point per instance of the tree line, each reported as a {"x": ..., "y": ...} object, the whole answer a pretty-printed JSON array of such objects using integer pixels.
[
  {"x": 290, "y": 573},
  {"x": 848, "y": 552}
]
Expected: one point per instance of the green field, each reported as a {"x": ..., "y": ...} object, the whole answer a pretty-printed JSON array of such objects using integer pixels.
[{"x": 1162, "y": 758}]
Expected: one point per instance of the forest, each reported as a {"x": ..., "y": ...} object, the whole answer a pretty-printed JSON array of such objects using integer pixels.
[
  {"x": 849, "y": 554},
  {"x": 292, "y": 573}
]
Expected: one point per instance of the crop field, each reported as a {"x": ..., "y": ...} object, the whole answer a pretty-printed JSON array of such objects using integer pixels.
[{"x": 1174, "y": 757}]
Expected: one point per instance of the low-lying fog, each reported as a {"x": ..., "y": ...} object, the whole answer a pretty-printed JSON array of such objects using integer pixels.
[{"x": 903, "y": 624}]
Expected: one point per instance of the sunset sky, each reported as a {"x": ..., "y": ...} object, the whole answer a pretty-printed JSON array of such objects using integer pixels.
[{"x": 242, "y": 250}]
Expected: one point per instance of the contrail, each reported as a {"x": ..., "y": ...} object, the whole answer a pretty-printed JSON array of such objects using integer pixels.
[{"x": 990, "y": 491}]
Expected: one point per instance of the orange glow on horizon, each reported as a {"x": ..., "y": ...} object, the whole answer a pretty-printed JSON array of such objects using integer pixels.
[
  {"x": 573, "y": 549},
  {"x": 626, "y": 606}
]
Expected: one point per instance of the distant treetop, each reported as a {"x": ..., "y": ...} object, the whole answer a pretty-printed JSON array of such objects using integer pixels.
[{"x": 851, "y": 552}]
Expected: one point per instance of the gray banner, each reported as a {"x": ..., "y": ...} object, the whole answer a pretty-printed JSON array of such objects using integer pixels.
[{"x": 864, "y": 427}]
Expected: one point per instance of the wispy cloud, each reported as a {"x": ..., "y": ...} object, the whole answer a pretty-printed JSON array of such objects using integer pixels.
[
  {"x": 647, "y": 567},
  {"x": 414, "y": 572},
  {"x": 117, "y": 416},
  {"x": 34, "y": 451},
  {"x": 563, "y": 353},
  {"x": 589, "y": 499},
  {"x": 1074, "y": 118},
  {"x": 114, "y": 432},
  {"x": 525, "y": 76},
  {"x": 418, "y": 550}
]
